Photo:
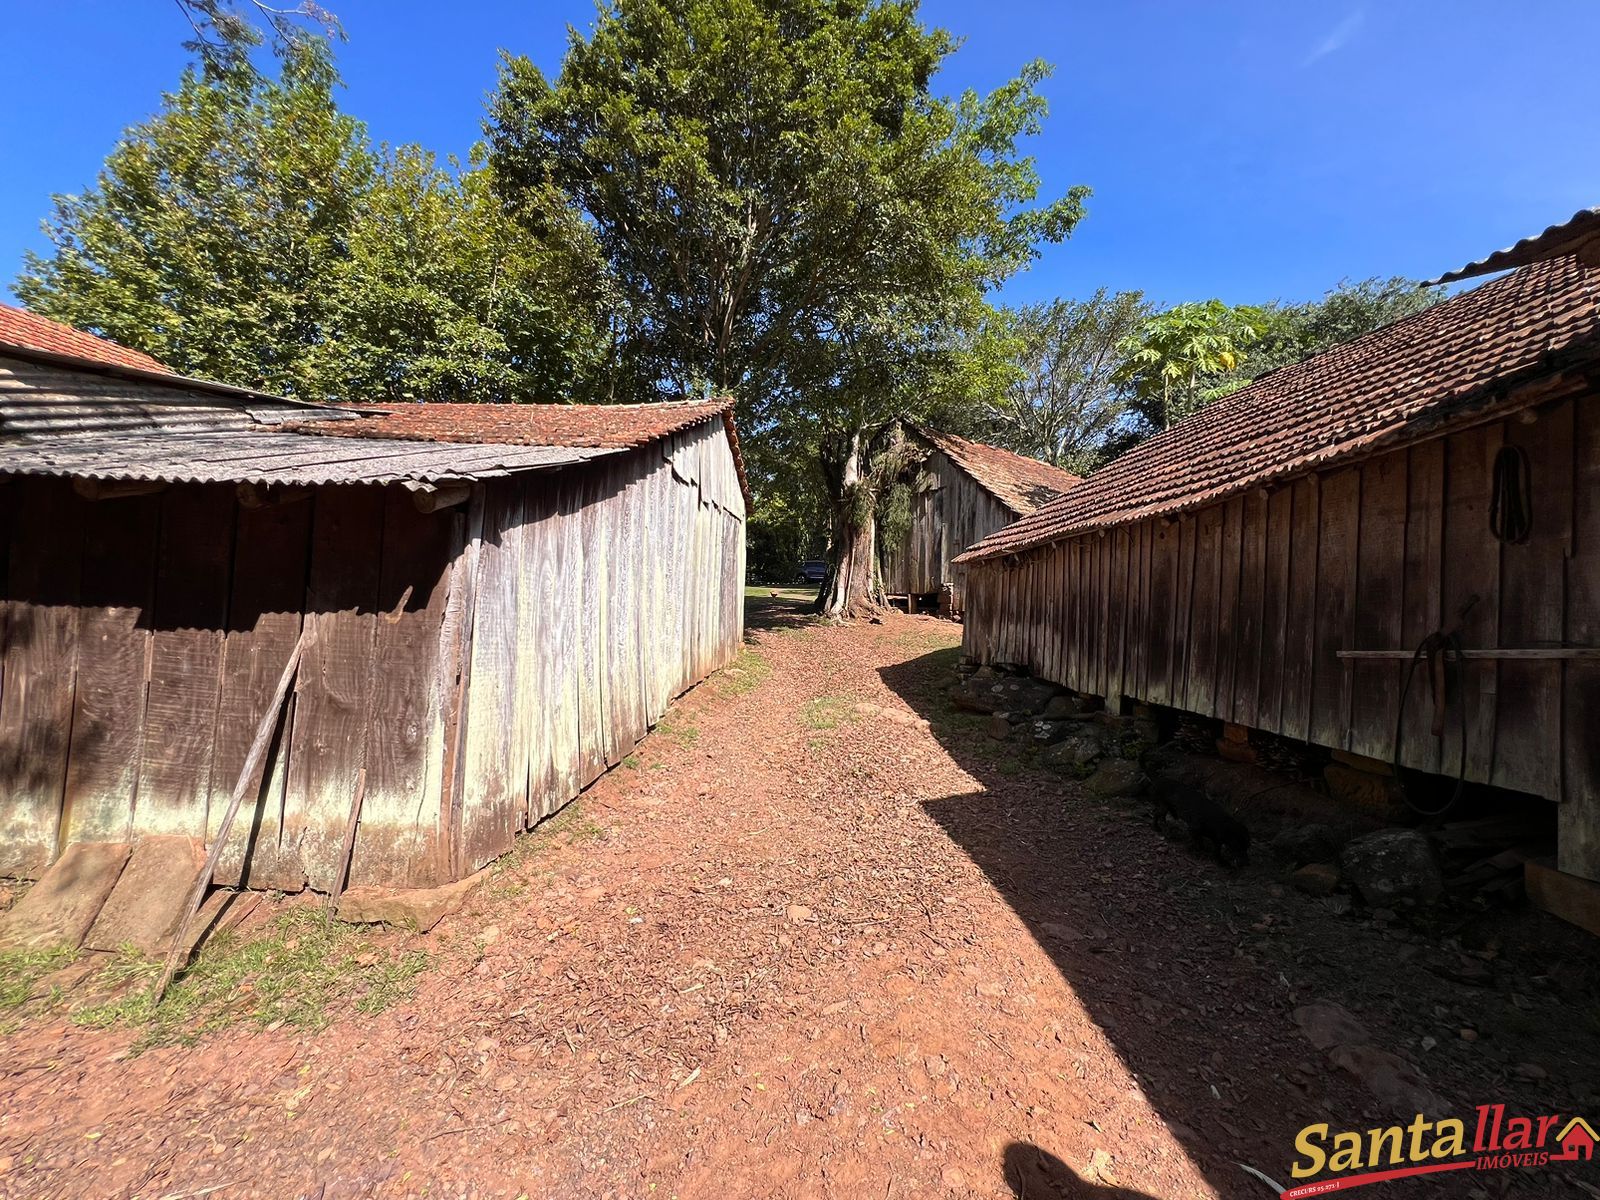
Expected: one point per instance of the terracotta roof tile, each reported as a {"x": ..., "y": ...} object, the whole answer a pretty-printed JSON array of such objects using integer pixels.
[
  {"x": 24, "y": 330},
  {"x": 571, "y": 426},
  {"x": 1424, "y": 370},
  {"x": 1022, "y": 484}
]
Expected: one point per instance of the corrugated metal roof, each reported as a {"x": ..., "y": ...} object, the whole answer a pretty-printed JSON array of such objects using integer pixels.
[
  {"x": 266, "y": 456},
  {"x": 45, "y": 399},
  {"x": 1557, "y": 240}
]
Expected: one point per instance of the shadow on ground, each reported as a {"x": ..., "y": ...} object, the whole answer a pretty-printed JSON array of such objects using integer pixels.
[
  {"x": 1035, "y": 1174},
  {"x": 1194, "y": 973},
  {"x": 767, "y": 609}
]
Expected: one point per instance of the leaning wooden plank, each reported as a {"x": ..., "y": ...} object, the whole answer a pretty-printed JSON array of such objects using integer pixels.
[
  {"x": 108, "y": 709},
  {"x": 333, "y": 699},
  {"x": 185, "y": 680},
  {"x": 248, "y": 780},
  {"x": 40, "y": 657},
  {"x": 271, "y": 547}
]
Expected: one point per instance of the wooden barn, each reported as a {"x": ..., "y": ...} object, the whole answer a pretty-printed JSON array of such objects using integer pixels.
[
  {"x": 1276, "y": 560},
  {"x": 963, "y": 491},
  {"x": 499, "y": 602}
]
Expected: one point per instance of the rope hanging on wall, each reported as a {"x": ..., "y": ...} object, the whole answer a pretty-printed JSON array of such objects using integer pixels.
[{"x": 1511, "y": 503}]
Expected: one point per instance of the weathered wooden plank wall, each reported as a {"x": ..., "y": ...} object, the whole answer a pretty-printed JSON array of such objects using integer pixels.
[
  {"x": 949, "y": 512},
  {"x": 602, "y": 593},
  {"x": 1239, "y": 610},
  {"x": 481, "y": 665}
]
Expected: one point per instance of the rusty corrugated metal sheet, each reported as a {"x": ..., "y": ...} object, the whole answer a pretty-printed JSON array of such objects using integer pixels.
[{"x": 267, "y": 456}]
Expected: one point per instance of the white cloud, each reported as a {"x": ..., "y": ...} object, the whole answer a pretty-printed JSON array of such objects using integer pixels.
[{"x": 1338, "y": 38}]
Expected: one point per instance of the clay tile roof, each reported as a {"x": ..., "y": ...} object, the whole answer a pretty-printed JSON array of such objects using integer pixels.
[
  {"x": 1579, "y": 233},
  {"x": 1022, "y": 484},
  {"x": 569, "y": 426},
  {"x": 1450, "y": 361},
  {"x": 23, "y": 330}
]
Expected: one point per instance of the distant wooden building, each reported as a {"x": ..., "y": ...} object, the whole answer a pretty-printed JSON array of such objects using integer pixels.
[
  {"x": 1275, "y": 560},
  {"x": 503, "y": 599},
  {"x": 963, "y": 492}
]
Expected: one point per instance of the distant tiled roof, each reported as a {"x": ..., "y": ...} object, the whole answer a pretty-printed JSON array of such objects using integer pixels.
[
  {"x": 570, "y": 426},
  {"x": 1441, "y": 363},
  {"x": 1022, "y": 484},
  {"x": 24, "y": 330}
]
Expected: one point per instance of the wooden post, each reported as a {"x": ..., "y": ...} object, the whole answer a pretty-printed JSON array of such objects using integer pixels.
[
  {"x": 249, "y": 775},
  {"x": 342, "y": 875}
]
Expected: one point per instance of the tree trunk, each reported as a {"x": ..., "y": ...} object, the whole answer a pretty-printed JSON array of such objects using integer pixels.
[{"x": 850, "y": 588}]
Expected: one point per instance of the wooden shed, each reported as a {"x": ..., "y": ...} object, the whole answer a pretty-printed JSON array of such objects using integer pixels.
[
  {"x": 963, "y": 491},
  {"x": 1276, "y": 560},
  {"x": 501, "y": 601}
]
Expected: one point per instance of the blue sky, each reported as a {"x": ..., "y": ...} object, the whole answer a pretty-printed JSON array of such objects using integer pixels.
[{"x": 1250, "y": 151}]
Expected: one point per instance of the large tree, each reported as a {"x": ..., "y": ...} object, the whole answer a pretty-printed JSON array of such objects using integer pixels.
[
  {"x": 791, "y": 214},
  {"x": 1067, "y": 399},
  {"x": 214, "y": 226},
  {"x": 441, "y": 296}
]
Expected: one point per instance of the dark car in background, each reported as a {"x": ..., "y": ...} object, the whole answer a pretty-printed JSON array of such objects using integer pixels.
[{"x": 812, "y": 570}]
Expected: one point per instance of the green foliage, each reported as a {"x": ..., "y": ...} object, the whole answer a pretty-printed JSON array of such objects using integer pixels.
[
  {"x": 249, "y": 233},
  {"x": 442, "y": 296},
  {"x": 1067, "y": 399},
  {"x": 788, "y": 210},
  {"x": 22, "y": 969},
  {"x": 211, "y": 233},
  {"x": 1173, "y": 353},
  {"x": 1297, "y": 331}
]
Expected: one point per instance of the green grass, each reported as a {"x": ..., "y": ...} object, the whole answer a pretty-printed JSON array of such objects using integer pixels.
[
  {"x": 743, "y": 674},
  {"x": 794, "y": 595},
  {"x": 296, "y": 971},
  {"x": 677, "y": 726},
  {"x": 827, "y": 712},
  {"x": 20, "y": 973}
]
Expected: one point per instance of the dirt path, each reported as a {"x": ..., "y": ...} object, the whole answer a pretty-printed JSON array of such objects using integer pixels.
[{"x": 803, "y": 945}]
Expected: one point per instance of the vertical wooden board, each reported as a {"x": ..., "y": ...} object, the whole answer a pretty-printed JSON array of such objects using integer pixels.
[
  {"x": 1578, "y": 844},
  {"x": 333, "y": 694},
  {"x": 400, "y": 838},
  {"x": 1228, "y": 614},
  {"x": 495, "y": 781},
  {"x": 1279, "y": 518},
  {"x": 1378, "y": 605},
  {"x": 1182, "y": 615},
  {"x": 1420, "y": 612},
  {"x": 119, "y": 558},
  {"x": 1470, "y": 600},
  {"x": 1527, "y": 753},
  {"x": 185, "y": 680},
  {"x": 1144, "y": 619},
  {"x": 271, "y": 548},
  {"x": 593, "y": 707},
  {"x": 1200, "y": 675},
  {"x": 1300, "y": 630},
  {"x": 1252, "y": 598},
  {"x": 566, "y": 589},
  {"x": 1337, "y": 557},
  {"x": 1104, "y": 642},
  {"x": 40, "y": 659},
  {"x": 537, "y": 706},
  {"x": 1158, "y": 634}
]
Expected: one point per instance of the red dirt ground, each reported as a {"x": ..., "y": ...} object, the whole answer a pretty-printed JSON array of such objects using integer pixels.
[{"x": 808, "y": 951}]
